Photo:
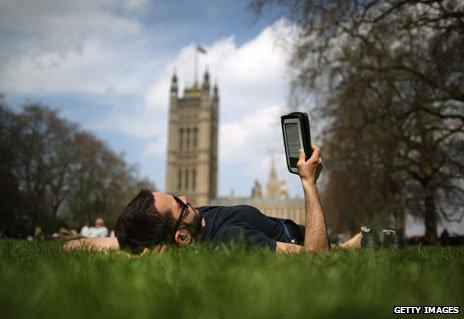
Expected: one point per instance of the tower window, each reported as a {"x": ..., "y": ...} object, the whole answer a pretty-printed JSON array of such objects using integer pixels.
[
  {"x": 195, "y": 137},
  {"x": 194, "y": 179},
  {"x": 179, "y": 179},
  {"x": 186, "y": 179},
  {"x": 181, "y": 138},
  {"x": 184, "y": 139},
  {"x": 188, "y": 138}
]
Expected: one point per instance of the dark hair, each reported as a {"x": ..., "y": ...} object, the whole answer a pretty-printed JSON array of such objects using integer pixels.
[{"x": 140, "y": 225}]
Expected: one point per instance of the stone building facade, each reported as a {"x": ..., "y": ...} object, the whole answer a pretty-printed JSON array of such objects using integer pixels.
[
  {"x": 192, "y": 151},
  {"x": 273, "y": 202},
  {"x": 192, "y": 156}
]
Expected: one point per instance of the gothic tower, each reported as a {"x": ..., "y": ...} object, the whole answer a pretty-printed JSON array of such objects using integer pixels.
[
  {"x": 192, "y": 159},
  {"x": 275, "y": 188}
]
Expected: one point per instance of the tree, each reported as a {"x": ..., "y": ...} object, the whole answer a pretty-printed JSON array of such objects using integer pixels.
[
  {"x": 102, "y": 182},
  {"x": 43, "y": 156},
  {"x": 52, "y": 171},
  {"x": 394, "y": 70},
  {"x": 12, "y": 209}
]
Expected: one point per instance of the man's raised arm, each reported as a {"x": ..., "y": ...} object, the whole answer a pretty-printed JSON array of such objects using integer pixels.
[{"x": 316, "y": 238}]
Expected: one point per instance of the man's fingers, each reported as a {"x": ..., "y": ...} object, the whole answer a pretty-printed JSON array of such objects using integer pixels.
[
  {"x": 316, "y": 150},
  {"x": 315, "y": 157},
  {"x": 302, "y": 156},
  {"x": 316, "y": 153},
  {"x": 310, "y": 169}
]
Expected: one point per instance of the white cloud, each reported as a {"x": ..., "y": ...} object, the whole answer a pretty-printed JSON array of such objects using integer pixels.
[
  {"x": 99, "y": 47},
  {"x": 72, "y": 46},
  {"x": 253, "y": 89},
  {"x": 252, "y": 86},
  {"x": 252, "y": 96},
  {"x": 156, "y": 148},
  {"x": 254, "y": 135},
  {"x": 135, "y": 4},
  {"x": 250, "y": 76},
  {"x": 69, "y": 18},
  {"x": 72, "y": 71}
]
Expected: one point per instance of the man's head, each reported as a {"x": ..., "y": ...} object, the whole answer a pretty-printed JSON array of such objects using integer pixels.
[
  {"x": 99, "y": 222},
  {"x": 156, "y": 218}
]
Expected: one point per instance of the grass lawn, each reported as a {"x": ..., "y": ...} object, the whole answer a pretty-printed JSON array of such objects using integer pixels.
[{"x": 38, "y": 280}]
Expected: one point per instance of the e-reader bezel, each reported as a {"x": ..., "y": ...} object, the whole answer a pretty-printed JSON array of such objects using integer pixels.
[{"x": 304, "y": 135}]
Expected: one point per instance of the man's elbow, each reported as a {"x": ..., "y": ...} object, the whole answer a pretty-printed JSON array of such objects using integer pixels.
[
  {"x": 288, "y": 249},
  {"x": 321, "y": 248}
]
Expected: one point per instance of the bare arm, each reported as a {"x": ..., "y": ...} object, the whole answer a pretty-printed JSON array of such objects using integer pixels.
[
  {"x": 315, "y": 225},
  {"x": 100, "y": 244},
  {"x": 316, "y": 238},
  {"x": 107, "y": 244},
  {"x": 289, "y": 249}
]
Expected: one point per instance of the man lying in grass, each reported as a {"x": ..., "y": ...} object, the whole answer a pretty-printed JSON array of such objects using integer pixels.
[{"x": 157, "y": 219}]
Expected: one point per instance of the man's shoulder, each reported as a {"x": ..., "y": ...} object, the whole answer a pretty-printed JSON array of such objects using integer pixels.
[
  {"x": 225, "y": 208},
  {"x": 203, "y": 209}
]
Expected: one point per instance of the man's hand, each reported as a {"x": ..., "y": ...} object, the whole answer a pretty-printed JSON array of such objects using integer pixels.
[{"x": 309, "y": 170}]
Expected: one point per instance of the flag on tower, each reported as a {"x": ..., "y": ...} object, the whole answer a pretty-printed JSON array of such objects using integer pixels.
[{"x": 200, "y": 49}]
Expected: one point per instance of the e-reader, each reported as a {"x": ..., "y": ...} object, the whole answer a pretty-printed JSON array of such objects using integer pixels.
[{"x": 295, "y": 130}]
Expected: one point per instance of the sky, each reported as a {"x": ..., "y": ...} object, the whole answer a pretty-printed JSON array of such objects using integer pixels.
[{"x": 107, "y": 64}]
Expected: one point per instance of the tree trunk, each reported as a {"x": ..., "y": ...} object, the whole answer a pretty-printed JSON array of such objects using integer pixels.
[
  {"x": 399, "y": 219},
  {"x": 398, "y": 207},
  {"x": 430, "y": 216}
]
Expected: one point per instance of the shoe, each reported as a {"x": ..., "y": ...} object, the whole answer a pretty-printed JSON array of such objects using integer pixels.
[
  {"x": 391, "y": 238},
  {"x": 370, "y": 238}
]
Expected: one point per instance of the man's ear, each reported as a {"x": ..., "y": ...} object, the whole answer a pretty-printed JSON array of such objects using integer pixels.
[{"x": 182, "y": 237}]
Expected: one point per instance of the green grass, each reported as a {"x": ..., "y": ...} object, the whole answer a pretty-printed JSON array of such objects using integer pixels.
[{"x": 38, "y": 280}]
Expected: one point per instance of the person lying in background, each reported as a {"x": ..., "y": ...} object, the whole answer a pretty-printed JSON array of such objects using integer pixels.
[
  {"x": 95, "y": 232},
  {"x": 153, "y": 220}
]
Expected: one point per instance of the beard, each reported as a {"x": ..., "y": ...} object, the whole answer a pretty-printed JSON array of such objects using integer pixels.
[{"x": 194, "y": 227}]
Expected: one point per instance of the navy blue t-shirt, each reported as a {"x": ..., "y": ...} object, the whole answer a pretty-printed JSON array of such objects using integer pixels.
[{"x": 247, "y": 223}]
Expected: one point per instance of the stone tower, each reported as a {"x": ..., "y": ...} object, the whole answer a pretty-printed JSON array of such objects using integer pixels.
[
  {"x": 257, "y": 191},
  {"x": 275, "y": 188},
  {"x": 192, "y": 159}
]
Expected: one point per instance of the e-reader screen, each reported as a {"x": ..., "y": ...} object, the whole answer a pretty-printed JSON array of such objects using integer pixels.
[{"x": 293, "y": 140}]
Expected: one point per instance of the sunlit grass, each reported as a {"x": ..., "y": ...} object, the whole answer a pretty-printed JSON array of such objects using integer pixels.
[{"x": 38, "y": 280}]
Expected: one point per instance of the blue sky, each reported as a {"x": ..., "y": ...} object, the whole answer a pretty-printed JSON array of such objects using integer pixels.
[{"x": 107, "y": 64}]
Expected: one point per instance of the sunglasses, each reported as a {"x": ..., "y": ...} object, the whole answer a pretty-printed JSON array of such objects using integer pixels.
[{"x": 183, "y": 211}]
